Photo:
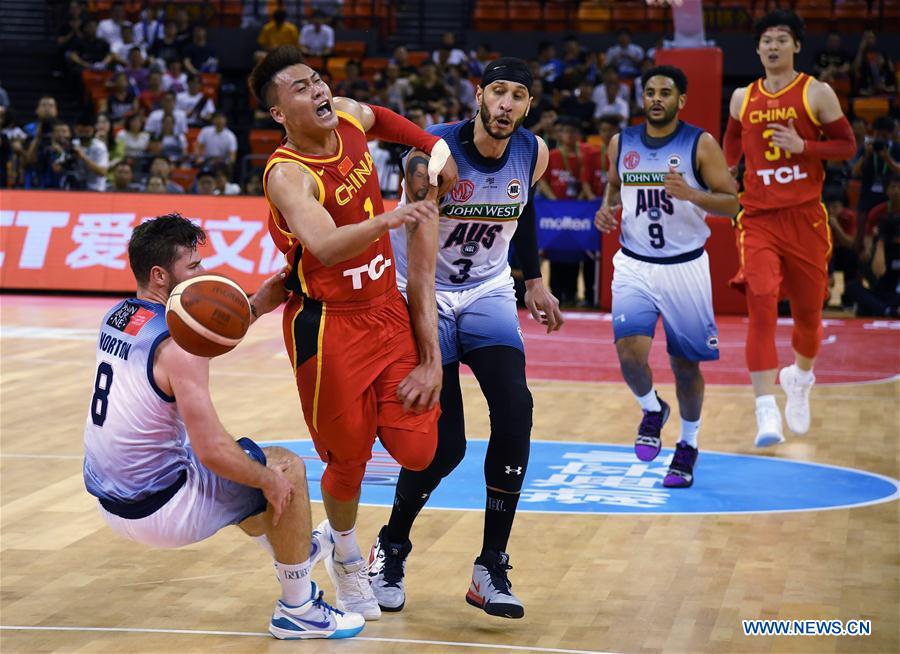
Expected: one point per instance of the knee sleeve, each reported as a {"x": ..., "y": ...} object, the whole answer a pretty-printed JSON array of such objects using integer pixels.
[
  {"x": 343, "y": 480},
  {"x": 763, "y": 315},
  {"x": 807, "y": 334},
  {"x": 501, "y": 373}
]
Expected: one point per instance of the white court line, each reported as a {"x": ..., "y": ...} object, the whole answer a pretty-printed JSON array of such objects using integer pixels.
[{"x": 201, "y": 632}]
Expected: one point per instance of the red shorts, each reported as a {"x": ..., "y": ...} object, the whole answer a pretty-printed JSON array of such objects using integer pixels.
[
  {"x": 348, "y": 361},
  {"x": 786, "y": 252}
]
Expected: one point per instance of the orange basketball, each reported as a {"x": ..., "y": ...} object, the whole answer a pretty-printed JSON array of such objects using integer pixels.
[{"x": 208, "y": 315}]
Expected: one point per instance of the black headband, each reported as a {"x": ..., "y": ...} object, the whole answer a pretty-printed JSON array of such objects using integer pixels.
[{"x": 508, "y": 69}]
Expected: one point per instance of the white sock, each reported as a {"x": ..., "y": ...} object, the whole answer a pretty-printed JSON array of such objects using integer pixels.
[
  {"x": 295, "y": 582},
  {"x": 689, "y": 431},
  {"x": 649, "y": 402},
  {"x": 804, "y": 377},
  {"x": 265, "y": 544},
  {"x": 346, "y": 548},
  {"x": 766, "y": 401}
]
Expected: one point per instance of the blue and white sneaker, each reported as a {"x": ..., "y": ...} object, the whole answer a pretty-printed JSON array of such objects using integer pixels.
[
  {"x": 313, "y": 619},
  {"x": 321, "y": 545}
]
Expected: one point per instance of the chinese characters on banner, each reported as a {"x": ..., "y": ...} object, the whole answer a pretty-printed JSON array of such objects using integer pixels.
[{"x": 79, "y": 241}]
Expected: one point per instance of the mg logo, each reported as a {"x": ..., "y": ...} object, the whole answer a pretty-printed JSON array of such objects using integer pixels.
[
  {"x": 374, "y": 269},
  {"x": 462, "y": 191}
]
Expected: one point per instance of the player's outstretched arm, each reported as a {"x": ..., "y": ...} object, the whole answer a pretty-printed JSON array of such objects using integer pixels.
[
  {"x": 186, "y": 377},
  {"x": 421, "y": 389},
  {"x": 606, "y": 218},
  {"x": 269, "y": 295},
  {"x": 295, "y": 193},
  {"x": 722, "y": 197},
  {"x": 385, "y": 125}
]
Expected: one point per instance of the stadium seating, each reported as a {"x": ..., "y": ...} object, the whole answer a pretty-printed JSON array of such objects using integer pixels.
[
  {"x": 264, "y": 141},
  {"x": 871, "y": 108}
]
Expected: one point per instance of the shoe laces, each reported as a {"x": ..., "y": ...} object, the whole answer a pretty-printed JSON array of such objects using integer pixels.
[
  {"x": 356, "y": 582},
  {"x": 499, "y": 579},
  {"x": 392, "y": 572},
  {"x": 322, "y": 605},
  {"x": 652, "y": 423},
  {"x": 683, "y": 458}
]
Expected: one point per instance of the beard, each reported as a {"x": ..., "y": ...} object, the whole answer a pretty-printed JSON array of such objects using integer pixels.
[
  {"x": 669, "y": 115},
  {"x": 494, "y": 134}
]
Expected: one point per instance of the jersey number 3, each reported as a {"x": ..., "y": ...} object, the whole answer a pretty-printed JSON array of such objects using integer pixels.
[
  {"x": 774, "y": 152},
  {"x": 100, "y": 400}
]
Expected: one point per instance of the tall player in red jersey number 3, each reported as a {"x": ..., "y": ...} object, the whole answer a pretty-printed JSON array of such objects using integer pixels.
[
  {"x": 361, "y": 368},
  {"x": 785, "y": 124}
]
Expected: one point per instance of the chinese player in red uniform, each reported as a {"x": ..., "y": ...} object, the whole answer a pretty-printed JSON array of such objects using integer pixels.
[
  {"x": 784, "y": 124},
  {"x": 360, "y": 364}
]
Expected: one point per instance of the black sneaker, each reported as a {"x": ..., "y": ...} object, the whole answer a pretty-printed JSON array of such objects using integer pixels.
[
  {"x": 386, "y": 566},
  {"x": 649, "y": 442},
  {"x": 490, "y": 589},
  {"x": 681, "y": 470}
]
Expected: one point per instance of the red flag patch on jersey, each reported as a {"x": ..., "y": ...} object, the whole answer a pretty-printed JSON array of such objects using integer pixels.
[
  {"x": 345, "y": 166},
  {"x": 138, "y": 320}
]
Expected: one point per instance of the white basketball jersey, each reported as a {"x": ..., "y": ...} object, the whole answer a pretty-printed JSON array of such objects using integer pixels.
[
  {"x": 480, "y": 215},
  {"x": 135, "y": 442},
  {"x": 655, "y": 225}
]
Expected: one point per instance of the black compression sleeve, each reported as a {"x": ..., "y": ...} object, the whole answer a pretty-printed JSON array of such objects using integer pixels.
[{"x": 525, "y": 240}]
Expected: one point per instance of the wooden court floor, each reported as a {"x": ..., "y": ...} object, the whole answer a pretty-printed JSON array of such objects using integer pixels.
[{"x": 599, "y": 583}]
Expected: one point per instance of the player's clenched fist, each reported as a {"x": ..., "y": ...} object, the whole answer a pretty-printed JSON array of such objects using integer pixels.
[{"x": 605, "y": 219}]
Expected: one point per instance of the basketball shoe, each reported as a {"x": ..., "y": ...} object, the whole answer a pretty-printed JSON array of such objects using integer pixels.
[
  {"x": 322, "y": 545},
  {"x": 681, "y": 470},
  {"x": 796, "y": 409},
  {"x": 313, "y": 619},
  {"x": 649, "y": 442},
  {"x": 352, "y": 589},
  {"x": 386, "y": 567},
  {"x": 490, "y": 589},
  {"x": 768, "y": 426}
]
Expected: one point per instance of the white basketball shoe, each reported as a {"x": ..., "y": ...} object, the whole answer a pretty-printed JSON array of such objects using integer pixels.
[
  {"x": 796, "y": 409},
  {"x": 313, "y": 619},
  {"x": 768, "y": 426},
  {"x": 352, "y": 589}
]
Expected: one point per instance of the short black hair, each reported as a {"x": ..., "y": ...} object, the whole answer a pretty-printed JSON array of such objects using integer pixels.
[
  {"x": 156, "y": 243},
  {"x": 675, "y": 74},
  {"x": 260, "y": 80},
  {"x": 778, "y": 17}
]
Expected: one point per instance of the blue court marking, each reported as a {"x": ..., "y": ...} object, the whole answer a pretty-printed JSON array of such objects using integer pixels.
[{"x": 600, "y": 478}]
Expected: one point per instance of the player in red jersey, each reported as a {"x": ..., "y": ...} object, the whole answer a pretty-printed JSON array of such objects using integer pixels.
[
  {"x": 361, "y": 368},
  {"x": 785, "y": 124}
]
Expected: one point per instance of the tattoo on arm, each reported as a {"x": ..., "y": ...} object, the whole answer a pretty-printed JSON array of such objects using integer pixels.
[{"x": 417, "y": 177}]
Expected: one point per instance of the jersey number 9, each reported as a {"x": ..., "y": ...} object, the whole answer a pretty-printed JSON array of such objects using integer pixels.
[{"x": 657, "y": 239}]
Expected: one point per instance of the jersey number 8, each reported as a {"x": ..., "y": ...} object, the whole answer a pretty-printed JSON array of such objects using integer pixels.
[{"x": 102, "y": 387}]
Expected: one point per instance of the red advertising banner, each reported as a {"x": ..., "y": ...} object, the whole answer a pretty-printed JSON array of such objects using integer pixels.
[{"x": 65, "y": 240}]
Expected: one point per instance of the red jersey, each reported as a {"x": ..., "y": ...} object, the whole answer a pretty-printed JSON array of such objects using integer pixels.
[
  {"x": 775, "y": 179},
  {"x": 350, "y": 192},
  {"x": 565, "y": 174}
]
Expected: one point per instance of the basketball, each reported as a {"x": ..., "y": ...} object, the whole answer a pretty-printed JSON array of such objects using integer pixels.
[{"x": 208, "y": 315}]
